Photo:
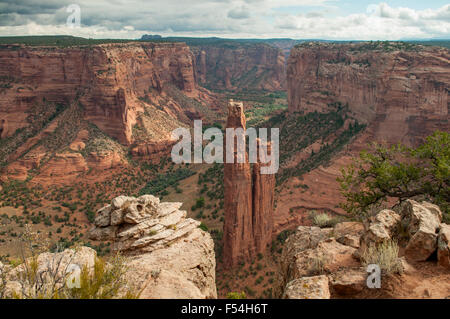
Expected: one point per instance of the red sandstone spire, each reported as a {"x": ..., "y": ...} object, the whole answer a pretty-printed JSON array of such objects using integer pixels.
[{"x": 248, "y": 202}]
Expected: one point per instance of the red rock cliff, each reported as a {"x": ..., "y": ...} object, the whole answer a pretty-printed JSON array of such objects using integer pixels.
[
  {"x": 108, "y": 79},
  {"x": 240, "y": 66},
  {"x": 400, "y": 89}
]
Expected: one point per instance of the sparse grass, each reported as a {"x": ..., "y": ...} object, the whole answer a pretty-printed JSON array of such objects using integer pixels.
[
  {"x": 385, "y": 255},
  {"x": 316, "y": 266},
  {"x": 324, "y": 220},
  {"x": 38, "y": 279}
]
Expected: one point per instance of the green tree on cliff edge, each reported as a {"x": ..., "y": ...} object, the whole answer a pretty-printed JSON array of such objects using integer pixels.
[{"x": 399, "y": 173}]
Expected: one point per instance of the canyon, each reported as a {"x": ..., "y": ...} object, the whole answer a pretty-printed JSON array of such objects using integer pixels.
[
  {"x": 107, "y": 79},
  {"x": 237, "y": 67},
  {"x": 237, "y": 64},
  {"x": 83, "y": 124},
  {"x": 126, "y": 96}
]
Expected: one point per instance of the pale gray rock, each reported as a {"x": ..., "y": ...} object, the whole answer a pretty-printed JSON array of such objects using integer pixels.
[
  {"x": 159, "y": 239},
  {"x": 103, "y": 217},
  {"x": 315, "y": 287},
  {"x": 443, "y": 252},
  {"x": 379, "y": 228},
  {"x": 423, "y": 222},
  {"x": 102, "y": 233},
  {"x": 118, "y": 202}
]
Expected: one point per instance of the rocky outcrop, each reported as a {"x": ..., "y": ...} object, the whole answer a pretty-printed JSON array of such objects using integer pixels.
[
  {"x": 312, "y": 252},
  {"x": 395, "y": 87},
  {"x": 423, "y": 222},
  {"x": 379, "y": 228},
  {"x": 249, "y": 199},
  {"x": 443, "y": 253},
  {"x": 263, "y": 198},
  {"x": 328, "y": 256},
  {"x": 349, "y": 281},
  {"x": 238, "y": 66},
  {"x": 238, "y": 223},
  {"x": 168, "y": 255},
  {"x": 348, "y": 233},
  {"x": 308, "y": 288},
  {"x": 309, "y": 252}
]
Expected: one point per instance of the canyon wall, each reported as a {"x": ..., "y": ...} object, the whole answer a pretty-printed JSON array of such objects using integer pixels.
[
  {"x": 249, "y": 199},
  {"x": 98, "y": 101},
  {"x": 107, "y": 79},
  {"x": 401, "y": 89},
  {"x": 240, "y": 66}
]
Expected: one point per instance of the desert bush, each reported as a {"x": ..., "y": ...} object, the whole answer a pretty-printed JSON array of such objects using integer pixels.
[
  {"x": 322, "y": 220},
  {"x": 236, "y": 295},
  {"x": 106, "y": 281},
  {"x": 399, "y": 172},
  {"x": 35, "y": 279},
  {"x": 385, "y": 255},
  {"x": 316, "y": 266},
  {"x": 203, "y": 227}
]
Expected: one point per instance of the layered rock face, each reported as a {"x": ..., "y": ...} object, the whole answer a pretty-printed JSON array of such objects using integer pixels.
[
  {"x": 402, "y": 90},
  {"x": 168, "y": 255},
  {"x": 234, "y": 66},
  {"x": 263, "y": 202},
  {"x": 93, "y": 98},
  {"x": 107, "y": 79},
  {"x": 249, "y": 199}
]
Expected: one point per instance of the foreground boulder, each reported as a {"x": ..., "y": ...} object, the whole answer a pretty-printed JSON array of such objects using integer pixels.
[
  {"x": 316, "y": 263},
  {"x": 348, "y": 233},
  {"x": 349, "y": 281},
  {"x": 327, "y": 257},
  {"x": 305, "y": 237},
  {"x": 443, "y": 252},
  {"x": 308, "y": 288},
  {"x": 379, "y": 228},
  {"x": 423, "y": 222},
  {"x": 168, "y": 255}
]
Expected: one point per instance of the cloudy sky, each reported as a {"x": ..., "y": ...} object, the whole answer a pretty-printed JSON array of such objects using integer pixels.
[{"x": 299, "y": 19}]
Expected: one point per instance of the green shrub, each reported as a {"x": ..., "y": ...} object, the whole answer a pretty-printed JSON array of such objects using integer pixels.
[
  {"x": 203, "y": 227},
  {"x": 236, "y": 295}
]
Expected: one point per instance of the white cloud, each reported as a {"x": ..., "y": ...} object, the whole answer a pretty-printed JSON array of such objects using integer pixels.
[
  {"x": 378, "y": 23},
  {"x": 226, "y": 18}
]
